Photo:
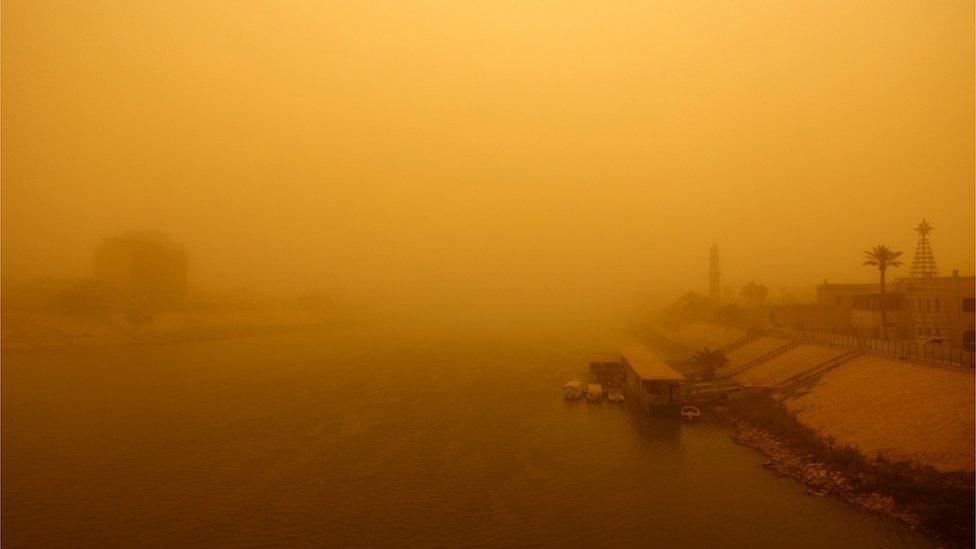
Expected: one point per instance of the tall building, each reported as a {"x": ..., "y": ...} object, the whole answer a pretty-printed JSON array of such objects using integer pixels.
[
  {"x": 142, "y": 267},
  {"x": 715, "y": 287},
  {"x": 925, "y": 292}
]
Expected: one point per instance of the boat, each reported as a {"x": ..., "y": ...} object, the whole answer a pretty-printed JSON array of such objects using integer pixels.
[
  {"x": 690, "y": 412},
  {"x": 615, "y": 396},
  {"x": 573, "y": 390},
  {"x": 594, "y": 392}
]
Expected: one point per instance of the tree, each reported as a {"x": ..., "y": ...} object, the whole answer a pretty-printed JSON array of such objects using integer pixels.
[
  {"x": 755, "y": 293},
  {"x": 709, "y": 361},
  {"x": 883, "y": 257},
  {"x": 690, "y": 305}
]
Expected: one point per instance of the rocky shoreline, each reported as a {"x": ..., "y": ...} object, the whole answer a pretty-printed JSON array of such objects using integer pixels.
[{"x": 820, "y": 479}]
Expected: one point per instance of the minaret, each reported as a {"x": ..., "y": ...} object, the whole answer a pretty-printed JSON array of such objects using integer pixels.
[{"x": 715, "y": 288}]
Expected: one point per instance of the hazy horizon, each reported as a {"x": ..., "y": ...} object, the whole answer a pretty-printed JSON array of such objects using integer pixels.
[{"x": 500, "y": 158}]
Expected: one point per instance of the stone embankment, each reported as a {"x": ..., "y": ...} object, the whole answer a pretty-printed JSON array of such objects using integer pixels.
[{"x": 820, "y": 478}]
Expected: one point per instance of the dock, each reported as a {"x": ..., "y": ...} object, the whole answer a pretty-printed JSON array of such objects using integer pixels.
[{"x": 650, "y": 382}]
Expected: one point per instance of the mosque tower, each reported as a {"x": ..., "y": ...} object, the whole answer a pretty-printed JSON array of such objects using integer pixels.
[{"x": 715, "y": 287}]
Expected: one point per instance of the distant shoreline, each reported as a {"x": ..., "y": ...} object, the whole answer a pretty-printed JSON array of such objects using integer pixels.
[{"x": 29, "y": 332}]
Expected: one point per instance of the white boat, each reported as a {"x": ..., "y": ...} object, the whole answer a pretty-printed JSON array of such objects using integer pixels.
[
  {"x": 690, "y": 412},
  {"x": 615, "y": 396},
  {"x": 594, "y": 392},
  {"x": 573, "y": 390}
]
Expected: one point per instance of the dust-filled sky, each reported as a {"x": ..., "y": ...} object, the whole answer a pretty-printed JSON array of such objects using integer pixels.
[{"x": 495, "y": 157}]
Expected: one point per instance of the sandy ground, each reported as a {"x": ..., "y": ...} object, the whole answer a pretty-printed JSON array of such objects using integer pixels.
[
  {"x": 901, "y": 410},
  {"x": 751, "y": 351},
  {"x": 785, "y": 366}
]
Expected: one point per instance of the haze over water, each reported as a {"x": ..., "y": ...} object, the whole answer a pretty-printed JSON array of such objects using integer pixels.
[
  {"x": 478, "y": 195},
  {"x": 498, "y": 159},
  {"x": 359, "y": 437}
]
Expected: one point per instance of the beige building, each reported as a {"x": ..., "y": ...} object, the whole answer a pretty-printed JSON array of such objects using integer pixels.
[
  {"x": 866, "y": 317},
  {"x": 945, "y": 308},
  {"x": 832, "y": 311},
  {"x": 959, "y": 294}
]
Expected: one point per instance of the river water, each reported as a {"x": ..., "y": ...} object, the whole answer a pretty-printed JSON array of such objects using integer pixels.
[{"x": 373, "y": 438}]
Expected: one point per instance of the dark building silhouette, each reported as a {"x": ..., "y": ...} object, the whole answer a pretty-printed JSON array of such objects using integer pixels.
[
  {"x": 143, "y": 267},
  {"x": 715, "y": 287}
]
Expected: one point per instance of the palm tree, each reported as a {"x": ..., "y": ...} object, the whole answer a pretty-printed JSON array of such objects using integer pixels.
[
  {"x": 754, "y": 292},
  {"x": 883, "y": 257},
  {"x": 709, "y": 361}
]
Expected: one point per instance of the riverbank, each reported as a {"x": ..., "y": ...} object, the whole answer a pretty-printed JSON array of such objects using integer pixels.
[
  {"x": 35, "y": 331},
  {"x": 896, "y": 409},
  {"x": 892, "y": 436},
  {"x": 939, "y": 504}
]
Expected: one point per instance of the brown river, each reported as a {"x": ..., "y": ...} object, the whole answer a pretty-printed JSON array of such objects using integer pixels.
[{"x": 356, "y": 437}]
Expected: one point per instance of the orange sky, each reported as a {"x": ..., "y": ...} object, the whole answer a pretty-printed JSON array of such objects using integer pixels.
[{"x": 489, "y": 152}]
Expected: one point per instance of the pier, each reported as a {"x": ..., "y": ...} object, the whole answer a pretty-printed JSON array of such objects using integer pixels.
[{"x": 652, "y": 383}]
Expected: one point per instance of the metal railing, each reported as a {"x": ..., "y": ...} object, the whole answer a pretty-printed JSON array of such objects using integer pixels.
[{"x": 902, "y": 349}]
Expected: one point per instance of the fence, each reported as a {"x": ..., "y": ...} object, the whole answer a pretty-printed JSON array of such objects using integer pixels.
[{"x": 904, "y": 350}]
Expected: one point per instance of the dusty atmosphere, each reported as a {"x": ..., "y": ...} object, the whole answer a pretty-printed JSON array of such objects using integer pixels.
[
  {"x": 494, "y": 159},
  {"x": 313, "y": 272}
]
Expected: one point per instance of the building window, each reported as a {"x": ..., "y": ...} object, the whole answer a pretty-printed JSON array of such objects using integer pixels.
[
  {"x": 968, "y": 305},
  {"x": 838, "y": 300}
]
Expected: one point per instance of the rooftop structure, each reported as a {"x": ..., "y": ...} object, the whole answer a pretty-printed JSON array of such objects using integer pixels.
[
  {"x": 647, "y": 366},
  {"x": 650, "y": 381},
  {"x": 923, "y": 262},
  {"x": 925, "y": 290}
]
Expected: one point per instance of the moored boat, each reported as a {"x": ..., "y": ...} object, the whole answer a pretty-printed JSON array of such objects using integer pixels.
[
  {"x": 594, "y": 392},
  {"x": 573, "y": 390},
  {"x": 615, "y": 396}
]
